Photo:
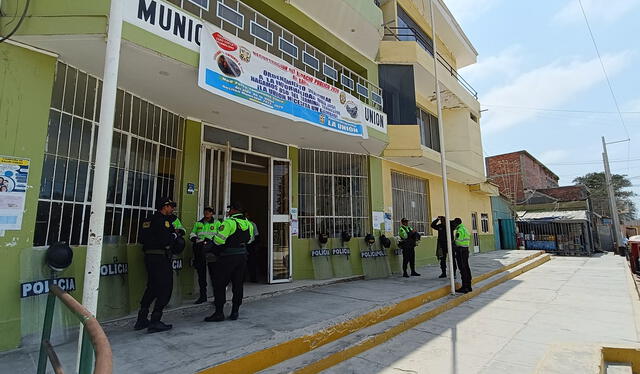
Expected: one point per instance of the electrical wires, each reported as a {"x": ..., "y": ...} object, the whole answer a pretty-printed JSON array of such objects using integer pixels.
[{"x": 22, "y": 17}]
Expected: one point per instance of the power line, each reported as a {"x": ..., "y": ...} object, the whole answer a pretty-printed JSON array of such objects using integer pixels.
[
  {"x": 589, "y": 162},
  {"x": 604, "y": 70}
]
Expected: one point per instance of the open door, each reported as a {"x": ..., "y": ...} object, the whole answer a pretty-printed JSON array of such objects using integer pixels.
[
  {"x": 280, "y": 222},
  {"x": 215, "y": 180}
]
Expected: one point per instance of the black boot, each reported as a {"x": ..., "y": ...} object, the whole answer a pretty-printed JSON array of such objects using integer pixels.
[
  {"x": 217, "y": 316},
  {"x": 443, "y": 275},
  {"x": 405, "y": 274},
  {"x": 142, "y": 322},
  {"x": 156, "y": 325},
  {"x": 202, "y": 298},
  {"x": 234, "y": 312},
  {"x": 415, "y": 274}
]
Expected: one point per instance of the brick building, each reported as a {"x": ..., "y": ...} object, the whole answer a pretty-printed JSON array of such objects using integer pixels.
[{"x": 517, "y": 172}]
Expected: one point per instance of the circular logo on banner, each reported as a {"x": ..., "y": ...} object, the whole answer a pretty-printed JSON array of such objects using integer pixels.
[{"x": 224, "y": 43}]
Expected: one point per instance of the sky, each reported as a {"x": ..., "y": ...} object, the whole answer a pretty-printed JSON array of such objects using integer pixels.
[{"x": 542, "y": 84}]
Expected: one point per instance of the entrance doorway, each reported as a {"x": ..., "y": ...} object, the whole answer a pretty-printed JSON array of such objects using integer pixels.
[{"x": 261, "y": 185}]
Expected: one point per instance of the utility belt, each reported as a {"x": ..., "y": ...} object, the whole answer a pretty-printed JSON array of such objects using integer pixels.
[{"x": 162, "y": 252}]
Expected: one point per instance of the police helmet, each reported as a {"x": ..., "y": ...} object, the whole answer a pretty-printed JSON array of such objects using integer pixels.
[
  {"x": 323, "y": 238},
  {"x": 369, "y": 239},
  {"x": 386, "y": 242},
  {"x": 59, "y": 256},
  {"x": 165, "y": 201},
  {"x": 345, "y": 236},
  {"x": 178, "y": 245}
]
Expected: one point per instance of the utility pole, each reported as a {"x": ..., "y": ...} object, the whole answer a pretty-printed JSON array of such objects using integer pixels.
[
  {"x": 101, "y": 178},
  {"x": 443, "y": 161},
  {"x": 612, "y": 198}
]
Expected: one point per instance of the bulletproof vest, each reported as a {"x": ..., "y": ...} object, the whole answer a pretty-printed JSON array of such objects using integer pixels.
[{"x": 239, "y": 238}]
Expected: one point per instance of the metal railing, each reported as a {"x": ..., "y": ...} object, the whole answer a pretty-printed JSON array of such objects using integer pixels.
[
  {"x": 92, "y": 330},
  {"x": 409, "y": 33}
]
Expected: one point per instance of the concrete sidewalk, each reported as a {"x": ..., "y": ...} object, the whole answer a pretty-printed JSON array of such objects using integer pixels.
[
  {"x": 563, "y": 308},
  {"x": 193, "y": 345}
]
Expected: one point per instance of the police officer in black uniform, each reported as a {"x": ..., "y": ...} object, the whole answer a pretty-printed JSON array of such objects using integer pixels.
[{"x": 158, "y": 236}]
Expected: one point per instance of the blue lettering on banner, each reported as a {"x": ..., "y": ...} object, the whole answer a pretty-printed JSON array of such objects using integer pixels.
[
  {"x": 320, "y": 252},
  {"x": 280, "y": 104},
  {"x": 40, "y": 287},
  {"x": 372, "y": 254},
  {"x": 341, "y": 251}
]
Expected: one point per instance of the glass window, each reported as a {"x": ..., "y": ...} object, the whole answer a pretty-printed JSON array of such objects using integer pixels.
[
  {"x": 204, "y": 4},
  {"x": 261, "y": 33},
  {"x": 408, "y": 29},
  {"x": 346, "y": 81},
  {"x": 230, "y": 15},
  {"x": 410, "y": 201},
  {"x": 288, "y": 48},
  {"x": 330, "y": 72},
  {"x": 333, "y": 194},
  {"x": 429, "y": 133},
  {"x": 135, "y": 177},
  {"x": 484, "y": 222},
  {"x": 310, "y": 61},
  {"x": 362, "y": 90}
]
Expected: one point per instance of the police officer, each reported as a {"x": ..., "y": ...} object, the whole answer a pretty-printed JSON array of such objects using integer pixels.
[
  {"x": 201, "y": 236},
  {"x": 462, "y": 239},
  {"x": 230, "y": 241},
  {"x": 158, "y": 236},
  {"x": 408, "y": 239},
  {"x": 438, "y": 224}
]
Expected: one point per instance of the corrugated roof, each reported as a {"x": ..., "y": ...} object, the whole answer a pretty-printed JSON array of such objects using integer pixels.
[{"x": 568, "y": 215}]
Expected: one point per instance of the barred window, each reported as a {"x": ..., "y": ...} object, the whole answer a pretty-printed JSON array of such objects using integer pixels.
[
  {"x": 333, "y": 194},
  {"x": 145, "y": 158},
  {"x": 484, "y": 222},
  {"x": 410, "y": 201}
]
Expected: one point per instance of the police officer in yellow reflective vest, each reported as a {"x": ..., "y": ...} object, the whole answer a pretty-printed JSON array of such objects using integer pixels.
[
  {"x": 462, "y": 239},
  {"x": 230, "y": 241},
  {"x": 157, "y": 235},
  {"x": 408, "y": 242},
  {"x": 201, "y": 236}
]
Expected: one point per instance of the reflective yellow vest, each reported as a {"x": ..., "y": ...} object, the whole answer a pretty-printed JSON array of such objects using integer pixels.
[{"x": 463, "y": 238}]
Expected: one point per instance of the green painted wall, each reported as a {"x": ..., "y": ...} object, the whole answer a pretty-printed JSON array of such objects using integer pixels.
[
  {"x": 26, "y": 80},
  {"x": 487, "y": 243}
]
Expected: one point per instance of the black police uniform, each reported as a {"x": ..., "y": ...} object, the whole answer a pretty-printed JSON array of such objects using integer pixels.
[{"x": 158, "y": 235}]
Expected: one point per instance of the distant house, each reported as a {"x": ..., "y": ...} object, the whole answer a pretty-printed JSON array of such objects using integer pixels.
[{"x": 504, "y": 224}]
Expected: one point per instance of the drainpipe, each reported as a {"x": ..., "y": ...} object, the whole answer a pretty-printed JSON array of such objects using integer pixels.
[
  {"x": 101, "y": 178},
  {"x": 443, "y": 161}
]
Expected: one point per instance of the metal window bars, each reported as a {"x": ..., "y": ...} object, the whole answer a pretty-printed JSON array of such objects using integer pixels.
[{"x": 403, "y": 33}]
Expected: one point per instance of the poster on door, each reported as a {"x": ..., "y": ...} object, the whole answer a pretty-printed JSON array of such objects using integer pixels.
[
  {"x": 14, "y": 173},
  {"x": 235, "y": 69}
]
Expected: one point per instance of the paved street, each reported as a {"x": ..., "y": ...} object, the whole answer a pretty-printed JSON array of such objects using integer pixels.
[{"x": 567, "y": 303}]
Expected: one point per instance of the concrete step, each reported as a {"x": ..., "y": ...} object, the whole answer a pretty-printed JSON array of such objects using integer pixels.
[
  {"x": 618, "y": 368},
  {"x": 364, "y": 339}
]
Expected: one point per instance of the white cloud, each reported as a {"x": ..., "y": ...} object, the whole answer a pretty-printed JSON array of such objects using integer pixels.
[
  {"x": 597, "y": 10},
  {"x": 465, "y": 10},
  {"x": 505, "y": 64},
  {"x": 549, "y": 86},
  {"x": 553, "y": 155}
]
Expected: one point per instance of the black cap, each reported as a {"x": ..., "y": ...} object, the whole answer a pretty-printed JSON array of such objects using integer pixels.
[
  {"x": 165, "y": 201},
  {"x": 236, "y": 205},
  {"x": 404, "y": 220}
]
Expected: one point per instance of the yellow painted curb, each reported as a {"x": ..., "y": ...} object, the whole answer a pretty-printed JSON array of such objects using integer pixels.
[
  {"x": 260, "y": 360},
  {"x": 378, "y": 339}
]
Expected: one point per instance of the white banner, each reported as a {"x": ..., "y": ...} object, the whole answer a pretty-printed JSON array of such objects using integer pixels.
[{"x": 238, "y": 70}]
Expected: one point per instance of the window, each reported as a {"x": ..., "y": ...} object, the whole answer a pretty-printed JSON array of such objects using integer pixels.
[
  {"x": 333, "y": 194},
  {"x": 310, "y": 61},
  {"x": 410, "y": 201},
  {"x": 204, "y": 4},
  {"x": 429, "y": 130},
  {"x": 261, "y": 33},
  {"x": 409, "y": 30},
  {"x": 346, "y": 81},
  {"x": 376, "y": 98},
  {"x": 330, "y": 72},
  {"x": 145, "y": 158},
  {"x": 362, "y": 90},
  {"x": 230, "y": 15},
  {"x": 288, "y": 48},
  {"x": 484, "y": 222}
]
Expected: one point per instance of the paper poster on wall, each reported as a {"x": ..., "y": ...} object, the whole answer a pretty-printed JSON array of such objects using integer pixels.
[
  {"x": 294, "y": 221},
  {"x": 14, "y": 173},
  {"x": 378, "y": 219},
  {"x": 388, "y": 222}
]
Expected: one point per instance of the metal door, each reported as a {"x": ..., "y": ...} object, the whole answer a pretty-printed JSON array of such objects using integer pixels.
[
  {"x": 215, "y": 180},
  {"x": 280, "y": 221},
  {"x": 474, "y": 232}
]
